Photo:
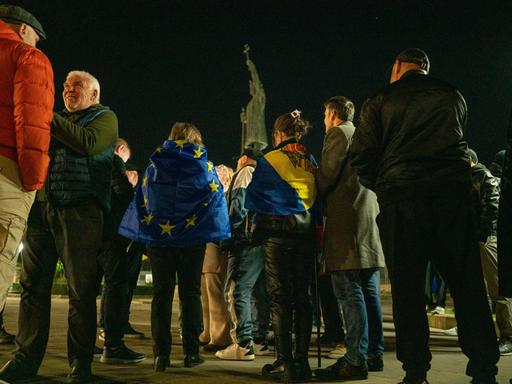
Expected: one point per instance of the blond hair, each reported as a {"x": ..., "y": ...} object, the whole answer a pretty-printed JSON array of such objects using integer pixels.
[{"x": 186, "y": 132}]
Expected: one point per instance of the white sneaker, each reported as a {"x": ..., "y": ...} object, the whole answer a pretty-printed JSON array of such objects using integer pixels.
[
  {"x": 236, "y": 352},
  {"x": 338, "y": 352},
  {"x": 261, "y": 349},
  {"x": 438, "y": 311}
]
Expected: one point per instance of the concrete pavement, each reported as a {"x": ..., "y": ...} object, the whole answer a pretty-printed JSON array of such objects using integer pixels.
[{"x": 447, "y": 367}]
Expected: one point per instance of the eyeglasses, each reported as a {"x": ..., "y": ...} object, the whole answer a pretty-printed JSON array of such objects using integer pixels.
[{"x": 76, "y": 84}]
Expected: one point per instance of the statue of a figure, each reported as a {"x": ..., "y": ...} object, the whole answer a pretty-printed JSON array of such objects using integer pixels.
[{"x": 254, "y": 133}]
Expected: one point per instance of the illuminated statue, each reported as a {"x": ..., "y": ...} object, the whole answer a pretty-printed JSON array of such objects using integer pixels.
[{"x": 254, "y": 133}]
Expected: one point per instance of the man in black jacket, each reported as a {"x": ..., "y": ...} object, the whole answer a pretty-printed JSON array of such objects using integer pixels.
[
  {"x": 410, "y": 149},
  {"x": 115, "y": 262},
  {"x": 486, "y": 199}
]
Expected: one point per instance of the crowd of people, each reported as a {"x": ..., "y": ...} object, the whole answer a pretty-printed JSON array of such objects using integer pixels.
[{"x": 402, "y": 190}]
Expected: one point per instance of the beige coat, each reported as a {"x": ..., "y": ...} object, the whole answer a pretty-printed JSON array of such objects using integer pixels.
[{"x": 351, "y": 236}]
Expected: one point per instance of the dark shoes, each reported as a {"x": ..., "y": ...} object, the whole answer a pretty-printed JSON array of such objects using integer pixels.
[
  {"x": 16, "y": 370},
  {"x": 132, "y": 333},
  {"x": 343, "y": 370},
  {"x": 295, "y": 371},
  {"x": 409, "y": 380},
  {"x": 279, "y": 370},
  {"x": 6, "y": 337},
  {"x": 80, "y": 372},
  {"x": 193, "y": 360},
  {"x": 161, "y": 363},
  {"x": 375, "y": 364},
  {"x": 301, "y": 370},
  {"x": 489, "y": 380},
  {"x": 121, "y": 355}
]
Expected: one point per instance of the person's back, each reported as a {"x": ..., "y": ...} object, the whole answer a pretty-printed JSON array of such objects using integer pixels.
[
  {"x": 421, "y": 126},
  {"x": 410, "y": 149}
]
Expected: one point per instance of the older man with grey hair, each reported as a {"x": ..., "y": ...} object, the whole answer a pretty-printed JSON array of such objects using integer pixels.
[{"x": 67, "y": 223}]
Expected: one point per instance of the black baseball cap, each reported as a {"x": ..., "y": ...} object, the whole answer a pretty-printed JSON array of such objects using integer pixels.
[
  {"x": 416, "y": 56},
  {"x": 17, "y": 15}
]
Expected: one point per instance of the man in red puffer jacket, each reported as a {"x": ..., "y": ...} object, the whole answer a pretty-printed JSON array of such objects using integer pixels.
[{"x": 26, "y": 110}]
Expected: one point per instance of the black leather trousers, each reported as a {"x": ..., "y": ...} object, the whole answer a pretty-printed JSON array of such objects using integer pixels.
[{"x": 288, "y": 267}]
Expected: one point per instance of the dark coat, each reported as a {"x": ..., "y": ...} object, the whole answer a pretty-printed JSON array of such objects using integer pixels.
[
  {"x": 351, "y": 237},
  {"x": 505, "y": 222},
  {"x": 486, "y": 199},
  {"x": 410, "y": 141}
]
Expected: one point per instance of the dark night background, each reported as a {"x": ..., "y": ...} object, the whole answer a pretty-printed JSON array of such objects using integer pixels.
[{"x": 164, "y": 61}]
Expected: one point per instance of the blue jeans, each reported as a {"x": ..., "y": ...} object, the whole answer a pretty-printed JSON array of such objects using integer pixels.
[
  {"x": 244, "y": 268},
  {"x": 260, "y": 308},
  {"x": 358, "y": 294}
]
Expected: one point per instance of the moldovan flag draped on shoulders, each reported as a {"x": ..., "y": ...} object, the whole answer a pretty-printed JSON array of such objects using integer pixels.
[
  {"x": 180, "y": 201},
  {"x": 283, "y": 182}
]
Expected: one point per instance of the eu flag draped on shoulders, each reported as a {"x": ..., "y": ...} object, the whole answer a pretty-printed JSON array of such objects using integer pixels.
[
  {"x": 280, "y": 189},
  {"x": 180, "y": 201}
]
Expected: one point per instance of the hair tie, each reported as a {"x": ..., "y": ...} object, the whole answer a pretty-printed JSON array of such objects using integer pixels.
[{"x": 295, "y": 114}]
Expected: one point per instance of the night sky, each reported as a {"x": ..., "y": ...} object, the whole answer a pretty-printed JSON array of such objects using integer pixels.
[{"x": 164, "y": 61}]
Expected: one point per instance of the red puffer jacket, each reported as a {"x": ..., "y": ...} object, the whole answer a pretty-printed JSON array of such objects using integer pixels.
[{"x": 26, "y": 107}]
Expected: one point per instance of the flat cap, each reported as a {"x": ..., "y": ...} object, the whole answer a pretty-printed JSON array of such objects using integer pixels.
[
  {"x": 416, "y": 56},
  {"x": 16, "y": 15}
]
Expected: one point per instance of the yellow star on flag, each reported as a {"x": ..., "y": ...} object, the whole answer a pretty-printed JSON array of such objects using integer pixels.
[
  {"x": 158, "y": 149},
  {"x": 180, "y": 143},
  {"x": 210, "y": 166},
  {"x": 145, "y": 181},
  {"x": 214, "y": 186},
  {"x": 191, "y": 221},
  {"x": 145, "y": 202},
  {"x": 147, "y": 219},
  {"x": 206, "y": 203},
  {"x": 197, "y": 153},
  {"x": 166, "y": 228}
]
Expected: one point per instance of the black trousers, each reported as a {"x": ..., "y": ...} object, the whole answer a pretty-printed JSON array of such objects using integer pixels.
[
  {"x": 166, "y": 263},
  {"x": 133, "y": 259},
  {"x": 74, "y": 235},
  {"x": 288, "y": 267},
  {"x": 441, "y": 230},
  {"x": 115, "y": 263}
]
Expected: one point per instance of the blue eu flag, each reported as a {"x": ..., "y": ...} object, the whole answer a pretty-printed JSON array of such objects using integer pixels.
[{"x": 180, "y": 201}]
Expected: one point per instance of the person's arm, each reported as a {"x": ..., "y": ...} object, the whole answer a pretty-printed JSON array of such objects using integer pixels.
[
  {"x": 33, "y": 99},
  {"x": 121, "y": 186},
  {"x": 365, "y": 150},
  {"x": 237, "y": 210},
  {"x": 97, "y": 136},
  {"x": 489, "y": 201},
  {"x": 334, "y": 159}
]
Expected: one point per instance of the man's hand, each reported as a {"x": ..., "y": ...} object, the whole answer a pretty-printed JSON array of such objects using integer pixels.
[{"x": 133, "y": 177}]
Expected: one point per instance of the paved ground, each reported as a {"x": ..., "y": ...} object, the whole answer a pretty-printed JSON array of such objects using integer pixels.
[{"x": 448, "y": 362}]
